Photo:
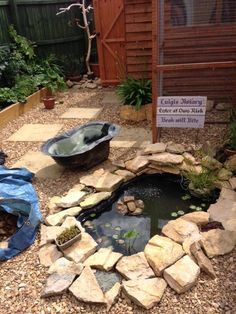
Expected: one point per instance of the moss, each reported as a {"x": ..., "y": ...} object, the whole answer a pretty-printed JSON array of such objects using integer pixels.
[{"x": 68, "y": 234}]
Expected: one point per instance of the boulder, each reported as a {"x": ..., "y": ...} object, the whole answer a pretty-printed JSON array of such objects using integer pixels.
[
  {"x": 58, "y": 218},
  {"x": 112, "y": 295},
  {"x": 199, "y": 218},
  {"x": 175, "y": 148},
  {"x": 57, "y": 284},
  {"x": 86, "y": 288},
  {"x": 180, "y": 229},
  {"x": 48, "y": 254},
  {"x": 137, "y": 164},
  {"x": 224, "y": 211},
  {"x": 189, "y": 241},
  {"x": 230, "y": 163},
  {"x": 189, "y": 158},
  {"x": 104, "y": 259},
  {"x": 162, "y": 252},
  {"x": 154, "y": 148},
  {"x": 94, "y": 199},
  {"x": 81, "y": 249},
  {"x": 228, "y": 194},
  {"x": 134, "y": 267},
  {"x": 203, "y": 262},
  {"x": 218, "y": 242},
  {"x": 145, "y": 292},
  {"x": 125, "y": 174},
  {"x": 183, "y": 275},
  {"x": 73, "y": 198},
  {"x": 64, "y": 266},
  {"x": 106, "y": 181},
  {"x": 166, "y": 159}
]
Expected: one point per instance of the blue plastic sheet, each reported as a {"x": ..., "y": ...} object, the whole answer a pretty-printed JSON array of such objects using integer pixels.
[{"x": 18, "y": 197}]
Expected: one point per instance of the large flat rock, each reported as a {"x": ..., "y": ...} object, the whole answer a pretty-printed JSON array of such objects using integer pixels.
[
  {"x": 137, "y": 164},
  {"x": 58, "y": 218},
  {"x": 94, "y": 199},
  {"x": 218, "y": 242},
  {"x": 48, "y": 234},
  {"x": 162, "y": 252},
  {"x": 86, "y": 288},
  {"x": 154, "y": 148},
  {"x": 180, "y": 229},
  {"x": 57, "y": 284},
  {"x": 199, "y": 218},
  {"x": 102, "y": 182},
  {"x": 81, "y": 249},
  {"x": 81, "y": 113},
  {"x": 145, "y": 292},
  {"x": 73, "y": 198},
  {"x": 182, "y": 275},
  {"x": 104, "y": 259},
  {"x": 112, "y": 294},
  {"x": 64, "y": 266},
  {"x": 166, "y": 159},
  {"x": 135, "y": 267},
  {"x": 48, "y": 254}
]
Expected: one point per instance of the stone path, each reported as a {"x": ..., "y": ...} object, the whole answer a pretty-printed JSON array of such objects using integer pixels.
[{"x": 81, "y": 113}]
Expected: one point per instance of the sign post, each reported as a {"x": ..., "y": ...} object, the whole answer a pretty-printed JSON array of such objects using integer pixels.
[{"x": 181, "y": 111}]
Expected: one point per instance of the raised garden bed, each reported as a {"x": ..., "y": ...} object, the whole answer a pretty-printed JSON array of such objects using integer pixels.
[{"x": 15, "y": 110}]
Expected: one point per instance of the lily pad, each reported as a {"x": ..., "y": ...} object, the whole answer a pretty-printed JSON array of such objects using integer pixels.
[
  {"x": 118, "y": 228},
  {"x": 107, "y": 225},
  {"x": 181, "y": 212},
  {"x": 203, "y": 205},
  {"x": 115, "y": 236},
  {"x": 192, "y": 207},
  {"x": 92, "y": 215},
  {"x": 174, "y": 214},
  {"x": 198, "y": 208},
  {"x": 186, "y": 197}
]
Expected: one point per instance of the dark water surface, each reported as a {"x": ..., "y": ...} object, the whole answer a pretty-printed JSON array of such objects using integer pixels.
[{"x": 164, "y": 198}]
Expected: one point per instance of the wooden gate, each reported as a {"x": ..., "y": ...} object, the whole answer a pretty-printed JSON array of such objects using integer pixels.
[{"x": 110, "y": 28}]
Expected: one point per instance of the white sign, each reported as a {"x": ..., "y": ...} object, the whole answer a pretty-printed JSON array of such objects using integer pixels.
[{"x": 181, "y": 111}]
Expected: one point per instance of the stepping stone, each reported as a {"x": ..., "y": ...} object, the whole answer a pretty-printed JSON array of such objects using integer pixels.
[
  {"x": 104, "y": 259},
  {"x": 35, "y": 132},
  {"x": 43, "y": 166},
  {"x": 57, "y": 284},
  {"x": 134, "y": 134},
  {"x": 110, "y": 98},
  {"x": 48, "y": 254},
  {"x": 64, "y": 266},
  {"x": 81, "y": 113},
  {"x": 128, "y": 144}
]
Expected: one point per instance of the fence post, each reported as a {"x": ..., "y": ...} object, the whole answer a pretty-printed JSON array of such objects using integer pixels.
[{"x": 15, "y": 15}]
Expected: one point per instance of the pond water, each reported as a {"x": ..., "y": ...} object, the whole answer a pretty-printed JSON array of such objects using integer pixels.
[{"x": 164, "y": 199}]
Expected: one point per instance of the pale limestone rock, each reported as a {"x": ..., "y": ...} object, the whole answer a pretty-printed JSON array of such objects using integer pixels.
[
  {"x": 166, "y": 159},
  {"x": 161, "y": 252},
  {"x": 211, "y": 163},
  {"x": 128, "y": 198},
  {"x": 218, "y": 242},
  {"x": 222, "y": 184},
  {"x": 180, "y": 229},
  {"x": 3, "y": 245},
  {"x": 81, "y": 249},
  {"x": 48, "y": 234},
  {"x": 57, "y": 284},
  {"x": 58, "y": 218},
  {"x": 73, "y": 198},
  {"x": 224, "y": 211},
  {"x": 229, "y": 225},
  {"x": 189, "y": 241},
  {"x": 154, "y": 148},
  {"x": 94, "y": 199},
  {"x": 131, "y": 206},
  {"x": 164, "y": 169},
  {"x": 72, "y": 221},
  {"x": 183, "y": 275},
  {"x": 125, "y": 174},
  {"x": 190, "y": 168},
  {"x": 232, "y": 182},
  {"x": 189, "y": 158},
  {"x": 224, "y": 174},
  {"x": 203, "y": 262},
  {"x": 135, "y": 267},
  {"x": 48, "y": 254},
  {"x": 102, "y": 182},
  {"x": 52, "y": 205},
  {"x": 64, "y": 266},
  {"x": 137, "y": 164},
  {"x": 228, "y": 194},
  {"x": 175, "y": 148},
  {"x": 145, "y": 292},
  {"x": 86, "y": 288},
  {"x": 200, "y": 217},
  {"x": 112, "y": 295},
  {"x": 104, "y": 259},
  {"x": 230, "y": 163}
]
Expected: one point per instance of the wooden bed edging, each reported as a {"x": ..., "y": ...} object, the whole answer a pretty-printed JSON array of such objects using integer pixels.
[{"x": 15, "y": 110}]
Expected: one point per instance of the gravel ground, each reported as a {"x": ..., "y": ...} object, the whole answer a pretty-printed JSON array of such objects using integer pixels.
[{"x": 22, "y": 277}]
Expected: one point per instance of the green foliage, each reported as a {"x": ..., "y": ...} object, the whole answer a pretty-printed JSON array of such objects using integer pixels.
[
  {"x": 68, "y": 234},
  {"x": 130, "y": 234},
  {"x": 232, "y": 135},
  {"x": 203, "y": 180},
  {"x": 135, "y": 92}
]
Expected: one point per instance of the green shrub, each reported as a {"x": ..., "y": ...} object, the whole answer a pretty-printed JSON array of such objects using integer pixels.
[
  {"x": 203, "y": 180},
  {"x": 135, "y": 92}
]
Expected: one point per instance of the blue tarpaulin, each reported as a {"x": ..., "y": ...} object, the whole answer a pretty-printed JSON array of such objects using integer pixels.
[{"x": 18, "y": 197}]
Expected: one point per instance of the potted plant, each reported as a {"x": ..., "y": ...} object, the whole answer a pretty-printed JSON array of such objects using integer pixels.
[
  {"x": 136, "y": 96},
  {"x": 68, "y": 237},
  {"x": 230, "y": 148}
]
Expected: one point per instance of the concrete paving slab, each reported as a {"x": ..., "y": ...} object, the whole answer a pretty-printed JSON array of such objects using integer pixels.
[
  {"x": 110, "y": 97},
  {"x": 43, "y": 166},
  {"x": 35, "y": 132},
  {"x": 81, "y": 113},
  {"x": 128, "y": 144}
]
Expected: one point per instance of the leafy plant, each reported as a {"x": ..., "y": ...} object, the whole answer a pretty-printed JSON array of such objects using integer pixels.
[
  {"x": 131, "y": 236},
  {"x": 135, "y": 92},
  {"x": 232, "y": 135},
  {"x": 203, "y": 180},
  {"x": 68, "y": 234}
]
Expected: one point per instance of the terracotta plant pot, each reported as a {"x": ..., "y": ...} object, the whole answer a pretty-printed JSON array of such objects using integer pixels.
[
  {"x": 129, "y": 113},
  {"x": 49, "y": 102}
]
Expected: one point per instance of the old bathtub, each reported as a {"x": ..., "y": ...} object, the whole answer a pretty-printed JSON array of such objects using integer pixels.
[{"x": 82, "y": 147}]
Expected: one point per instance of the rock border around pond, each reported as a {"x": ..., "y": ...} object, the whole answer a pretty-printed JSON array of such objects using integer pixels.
[{"x": 178, "y": 256}]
